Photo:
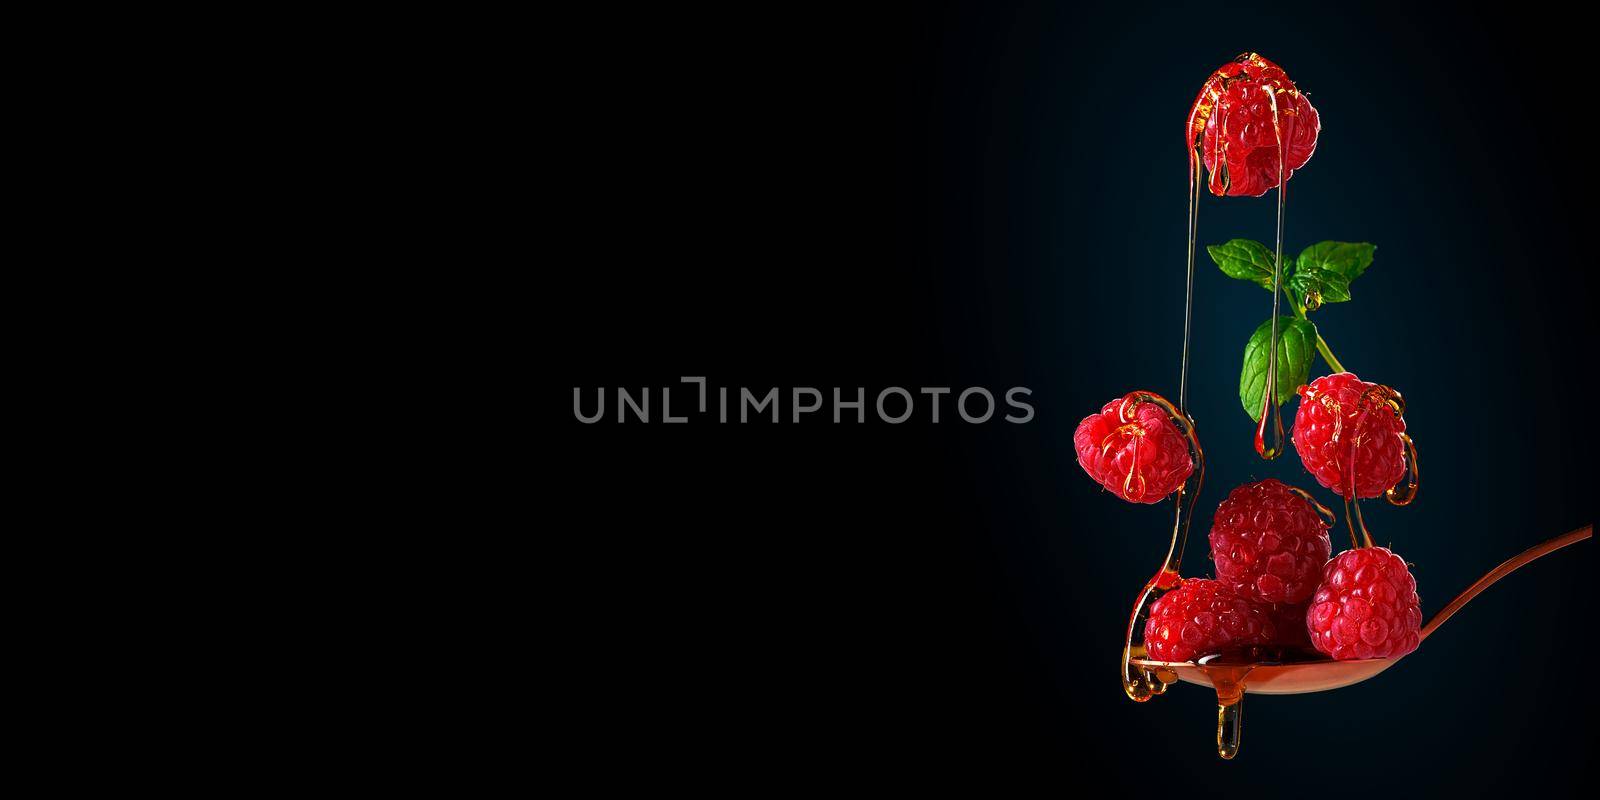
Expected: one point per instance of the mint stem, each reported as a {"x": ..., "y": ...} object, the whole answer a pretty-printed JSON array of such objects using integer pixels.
[{"x": 1322, "y": 345}]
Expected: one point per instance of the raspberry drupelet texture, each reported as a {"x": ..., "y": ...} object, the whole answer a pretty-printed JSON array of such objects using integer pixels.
[
  {"x": 1269, "y": 543},
  {"x": 1202, "y": 617},
  {"x": 1366, "y": 607},
  {"x": 1232, "y": 121},
  {"x": 1329, "y": 408},
  {"x": 1142, "y": 460}
]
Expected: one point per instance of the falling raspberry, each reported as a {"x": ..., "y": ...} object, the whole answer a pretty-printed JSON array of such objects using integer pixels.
[
  {"x": 1269, "y": 543},
  {"x": 1134, "y": 450},
  {"x": 1204, "y": 617},
  {"x": 1232, "y": 122},
  {"x": 1330, "y": 408},
  {"x": 1366, "y": 607}
]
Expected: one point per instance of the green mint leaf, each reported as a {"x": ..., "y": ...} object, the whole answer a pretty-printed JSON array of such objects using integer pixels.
[
  {"x": 1245, "y": 260},
  {"x": 1297, "y": 340},
  {"x": 1314, "y": 285},
  {"x": 1349, "y": 259}
]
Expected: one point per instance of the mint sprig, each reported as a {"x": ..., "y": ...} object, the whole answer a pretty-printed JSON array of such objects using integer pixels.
[
  {"x": 1349, "y": 259},
  {"x": 1245, "y": 260},
  {"x": 1321, "y": 274}
]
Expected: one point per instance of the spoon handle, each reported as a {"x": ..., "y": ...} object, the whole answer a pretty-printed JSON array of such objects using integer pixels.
[{"x": 1516, "y": 562}]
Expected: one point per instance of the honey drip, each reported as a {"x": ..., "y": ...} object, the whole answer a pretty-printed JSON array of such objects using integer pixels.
[
  {"x": 1230, "y": 718},
  {"x": 1412, "y": 470}
]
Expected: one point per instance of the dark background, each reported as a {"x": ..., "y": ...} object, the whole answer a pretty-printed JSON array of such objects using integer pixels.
[{"x": 949, "y": 196}]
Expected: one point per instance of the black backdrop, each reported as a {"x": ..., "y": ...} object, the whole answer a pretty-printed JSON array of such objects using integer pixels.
[{"x": 960, "y": 197}]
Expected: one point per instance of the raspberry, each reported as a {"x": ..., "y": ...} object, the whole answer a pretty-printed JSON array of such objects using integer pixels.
[
  {"x": 1269, "y": 543},
  {"x": 1366, "y": 607},
  {"x": 1141, "y": 461},
  {"x": 1329, "y": 409},
  {"x": 1202, "y": 617},
  {"x": 1231, "y": 120}
]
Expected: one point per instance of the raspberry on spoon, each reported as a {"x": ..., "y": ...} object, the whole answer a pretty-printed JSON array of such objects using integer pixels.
[
  {"x": 1269, "y": 542},
  {"x": 1205, "y": 617},
  {"x": 1366, "y": 607}
]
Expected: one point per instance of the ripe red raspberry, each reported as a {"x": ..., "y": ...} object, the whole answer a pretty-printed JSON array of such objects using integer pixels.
[
  {"x": 1330, "y": 407},
  {"x": 1202, "y": 617},
  {"x": 1366, "y": 607},
  {"x": 1142, "y": 460},
  {"x": 1231, "y": 120},
  {"x": 1269, "y": 543}
]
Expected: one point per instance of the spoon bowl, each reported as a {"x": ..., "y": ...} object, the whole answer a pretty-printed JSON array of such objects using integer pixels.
[{"x": 1234, "y": 678}]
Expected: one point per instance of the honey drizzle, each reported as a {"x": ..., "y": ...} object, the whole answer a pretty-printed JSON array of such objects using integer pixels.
[
  {"x": 1270, "y": 389},
  {"x": 1379, "y": 396},
  {"x": 1416, "y": 475},
  {"x": 1196, "y": 162},
  {"x": 1323, "y": 511},
  {"x": 1141, "y": 684}
]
